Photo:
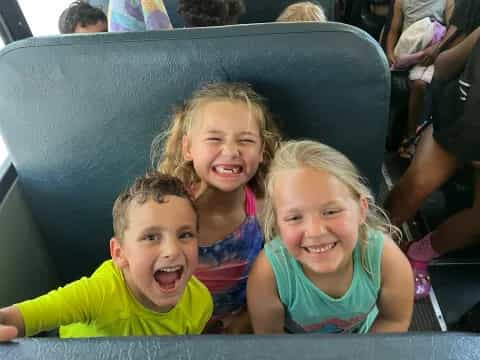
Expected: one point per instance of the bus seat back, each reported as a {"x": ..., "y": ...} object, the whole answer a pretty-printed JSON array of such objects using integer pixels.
[{"x": 79, "y": 112}]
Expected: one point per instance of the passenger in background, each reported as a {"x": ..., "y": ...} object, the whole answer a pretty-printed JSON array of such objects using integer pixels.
[
  {"x": 211, "y": 13},
  {"x": 147, "y": 288},
  {"x": 220, "y": 144},
  {"x": 81, "y": 17},
  {"x": 453, "y": 142},
  {"x": 137, "y": 15},
  {"x": 303, "y": 11},
  {"x": 405, "y": 14},
  {"x": 329, "y": 263}
]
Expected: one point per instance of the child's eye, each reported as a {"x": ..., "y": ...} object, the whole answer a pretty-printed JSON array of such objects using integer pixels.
[
  {"x": 152, "y": 237},
  {"x": 292, "y": 218},
  {"x": 330, "y": 212},
  {"x": 185, "y": 235},
  {"x": 247, "y": 141},
  {"x": 214, "y": 139}
]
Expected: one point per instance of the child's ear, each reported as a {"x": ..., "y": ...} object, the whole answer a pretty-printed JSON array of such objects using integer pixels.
[
  {"x": 117, "y": 253},
  {"x": 187, "y": 154},
  {"x": 262, "y": 151},
  {"x": 363, "y": 204}
]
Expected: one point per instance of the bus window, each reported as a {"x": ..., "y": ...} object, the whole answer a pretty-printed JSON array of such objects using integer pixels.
[
  {"x": 42, "y": 16},
  {"x": 3, "y": 149}
]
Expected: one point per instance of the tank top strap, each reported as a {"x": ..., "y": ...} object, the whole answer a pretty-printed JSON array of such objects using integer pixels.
[{"x": 250, "y": 202}]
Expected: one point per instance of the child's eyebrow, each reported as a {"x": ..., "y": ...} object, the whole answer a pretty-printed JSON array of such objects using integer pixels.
[
  {"x": 293, "y": 209},
  {"x": 219, "y": 132},
  {"x": 152, "y": 228}
]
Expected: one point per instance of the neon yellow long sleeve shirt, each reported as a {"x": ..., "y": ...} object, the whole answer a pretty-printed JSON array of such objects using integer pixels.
[{"x": 102, "y": 305}]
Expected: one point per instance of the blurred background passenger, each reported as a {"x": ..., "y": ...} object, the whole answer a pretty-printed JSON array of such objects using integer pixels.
[
  {"x": 303, "y": 11},
  {"x": 81, "y": 17},
  {"x": 211, "y": 13},
  {"x": 137, "y": 15}
]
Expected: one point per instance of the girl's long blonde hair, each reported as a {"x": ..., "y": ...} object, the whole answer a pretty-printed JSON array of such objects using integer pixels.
[
  {"x": 166, "y": 151},
  {"x": 310, "y": 154}
]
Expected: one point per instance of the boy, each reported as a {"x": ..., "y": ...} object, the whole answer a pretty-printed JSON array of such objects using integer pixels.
[
  {"x": 147, "y": 288},
  {"x": 81, "y": 17},
  {"x": 406, "y": 13}
]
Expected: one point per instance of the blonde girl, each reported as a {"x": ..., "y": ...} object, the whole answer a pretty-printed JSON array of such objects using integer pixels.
[
  {"x": 329, "y": 263},
  {"x": 220, "y": 145},
  {"x": 303, "y": 11}
]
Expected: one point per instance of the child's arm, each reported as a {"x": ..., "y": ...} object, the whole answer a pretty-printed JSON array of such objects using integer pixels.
[
  {"x": 155, "y": 15},
  {"x": 264, "y": 305},
  {"x": 449, "y": 7},
  {"x": 11, "y": 323},
  {"x": 394, "y": 32},
  {"x": 240, "y": 324},
  {"x": 395, "y": 303}
]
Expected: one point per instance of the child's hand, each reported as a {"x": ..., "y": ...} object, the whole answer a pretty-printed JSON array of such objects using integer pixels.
[
  {"x": 7, "y": 332},
  {"x": 429, "y": 55},
  {"x": 392, "y": 59},
  {"x": 240, "y": 324},
  {"x": 11, "y": 323}
]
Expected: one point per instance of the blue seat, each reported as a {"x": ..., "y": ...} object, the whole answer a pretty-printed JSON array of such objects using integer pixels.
[{"x": 79, "y": 112}]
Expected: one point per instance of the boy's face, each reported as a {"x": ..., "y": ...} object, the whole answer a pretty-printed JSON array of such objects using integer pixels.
[
  {"x": 100, "y": 26},
  {"x": 159, "y": 251}
]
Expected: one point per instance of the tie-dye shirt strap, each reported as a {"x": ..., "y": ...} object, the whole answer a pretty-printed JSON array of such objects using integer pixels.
[
  {"x": 137, "y": 15},
  {"x": 309, "y": 309},
  {"x": 224, "y": 266}
]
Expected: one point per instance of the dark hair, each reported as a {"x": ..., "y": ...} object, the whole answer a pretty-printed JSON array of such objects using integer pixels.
[
  {"x": 211, "y": 12},
  {"x": 152, "y": 186},
  {"x": 79, "y": 12}
]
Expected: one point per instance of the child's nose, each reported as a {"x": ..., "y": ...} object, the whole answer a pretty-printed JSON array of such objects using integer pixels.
[
  {"x": 315, "y": 227},
  {"x": 230, "y": 148},
  {"x": 170, "y": 248}
]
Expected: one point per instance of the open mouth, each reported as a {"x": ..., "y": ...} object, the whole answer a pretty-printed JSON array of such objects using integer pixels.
[
  {"x": 167, "y": 277},
  {"x": 321, "y": 249},
  {"x": 228, "y": 169}
]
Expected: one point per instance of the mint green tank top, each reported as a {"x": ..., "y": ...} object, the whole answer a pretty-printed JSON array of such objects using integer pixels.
[{"x": 309, "y": 309}]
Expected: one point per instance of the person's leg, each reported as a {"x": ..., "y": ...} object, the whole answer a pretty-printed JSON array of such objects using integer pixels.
[
  {"x": 430, "y": 168},
  {"x": 416, "y": 101},
  {"x": 416, "y": 105},
  {"x": 456, "y": 232},
  {"x": 459, "y": 230}
]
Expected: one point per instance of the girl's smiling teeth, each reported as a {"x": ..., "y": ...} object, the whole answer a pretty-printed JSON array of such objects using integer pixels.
[
  {"x": 319, "y": 249},
  {"x": 228, "y": 169}
]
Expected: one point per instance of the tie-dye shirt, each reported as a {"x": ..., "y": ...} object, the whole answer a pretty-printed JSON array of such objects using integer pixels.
[
  {"x": 137, "y": 15},
  {"x": 224, "y": 265}
]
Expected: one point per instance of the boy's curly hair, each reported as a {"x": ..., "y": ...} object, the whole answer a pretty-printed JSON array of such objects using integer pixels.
[
  {"x": 211, "y": 12},
  {"x": 79, "y": 12},
  {"x": 152, "y": 186}
]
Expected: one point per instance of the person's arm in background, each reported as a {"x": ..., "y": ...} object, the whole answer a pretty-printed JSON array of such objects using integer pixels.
[
  {"x": 134, "y": 15},
  {"x": 451, "y": 62},
  {"x": 431, "y": 53},
  {"x": 394, "y": 32},
  {"x": 155, "y": 15}
]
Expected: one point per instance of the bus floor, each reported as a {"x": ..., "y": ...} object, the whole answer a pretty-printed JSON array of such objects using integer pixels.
[{"x": 455, "y": 283}]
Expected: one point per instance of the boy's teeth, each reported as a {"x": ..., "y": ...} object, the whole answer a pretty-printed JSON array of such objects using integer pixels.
[
  {"x": 171, "y": 269},
  {"x": 321, "y": 249}
]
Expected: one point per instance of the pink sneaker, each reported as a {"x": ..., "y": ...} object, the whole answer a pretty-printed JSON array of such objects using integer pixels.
[{"x": 422, "y": 279}]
